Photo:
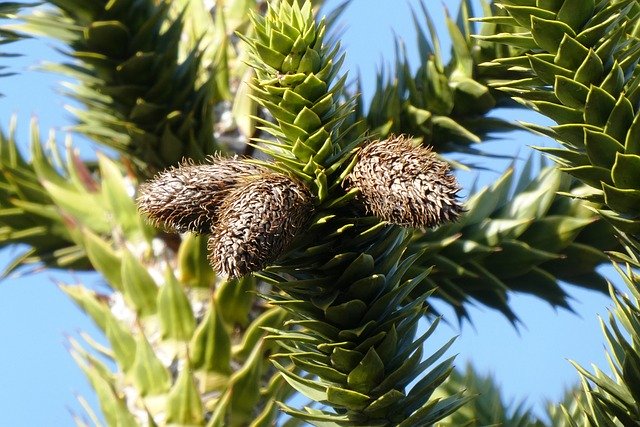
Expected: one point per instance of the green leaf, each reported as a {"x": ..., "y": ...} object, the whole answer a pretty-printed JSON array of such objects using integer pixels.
[
  {"x": 311, "y": 62},
  {"x": 523, "y": 14},
  {"x": 448, "y": 125},
  {"x": 113, "y": 408},
  {"x": 320, "y": 369},
  {"x": 140, "y": 289},
  {"x": 576, "y": 13},
  {"x": 147, "y": 372},
  {"x": 381, "y": 404},
  {"x": 120, "y": 203},
  {"x": 620, "y": 119},
  {"x": 235, "y": 298},
  {"x": 591, "y": 175},
  {"x": 625, "y": 201},
  {"x": 109, "y": 37},
  {"x": 104, "y": 259},
  {"x": 521, "y": 41},
  {"x": 554, "y": 232},
  {"x": 312, "y": 88},
  {"x": 559, "y": 113},
  {"x": 591, "y": 70},
  {"x": 534, "y": 200},
  {"x": 309, "y": 388},
  {"x": 302, "y": 151},
  {"x": 344, "y": 398},
  {"x": 515, "y": 259},
  {"x": 626, "y": 171},
  {"x": 435, "y": 411},
  {"x": 280, "y": 42},
  {"x": 571, "y": 53},
  {"x": 88, "y": 208},
  {"x": 245, "y": 107},
  {"x": 564, "y": 156},
  {"x": 90, "y": 302},
  {"x": 546, "y": 69},
  {"x": 615, "y": 81},
  {"x": 361, "y": 267},
  {"x": 632, "y": 141},
  {"x": 347, "y": 314},
  {"x": 592, "y": 33},
  {"x": 243, "y": 382},
  {"x": 267, "y": 416},
  {"x": 122, "y": 342},
  {"x": 345, "y": 360},
  {"x": 322, "y": 186},
  {"x": 307, "y": 120},
  {"x": 463, "y": 60},
  {"x": 367, "y": 288},
  {"x": 193, "y": 265},
  {"x": 472, "y": 97},
  {"x": 184, "y": 407},
  {"x": 421, "y": 391},
  {"x": 42, "y": 164},
  {"x": 549, "y": 33},
  {"x": 174, "y": 311},
  {"x": 599, "y": 106},
  {"x": 631, "y": 372},
  {"x": 270, "y": 57},
  {"x": 572, "y": 133},
  {"x": 272, "y": 318},
  {"x": 210, "y": 347},
  {"x": 368, "y": 374},
  {"x": 485, "y": 201},
  {"x": 219, "y": 412},
  {"x": 601, "y": 148}
]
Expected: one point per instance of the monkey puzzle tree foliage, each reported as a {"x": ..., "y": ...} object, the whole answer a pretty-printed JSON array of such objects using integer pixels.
[{"x": 235, "y": 142}]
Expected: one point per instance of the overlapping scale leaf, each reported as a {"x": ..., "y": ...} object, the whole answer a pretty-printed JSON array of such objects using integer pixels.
[
  {"x": 297, "y": 81},
  {"x": 352, "y": 345},
  {"x": 354, "y": 325},
  {"x": 174, "y": 351},
  {"x": 144, "y": 98},
  {"x": 355, "y": 330},
  {"x": 59, "y": 205},
  {"x": 584, "y": 72},
  {"x": 584, "y": 76},
  {"x": 444, "y": 103},
  {"x": 354, "y": 288},
  {"x": 612, "y": 398},
  {"x": 175, "y": 354},
  {"x": 516, "y": 236},
  {"x": 112, "y": 404},
  {"x": 178, "y": 355},
  {"x": 39, "y": 203}
]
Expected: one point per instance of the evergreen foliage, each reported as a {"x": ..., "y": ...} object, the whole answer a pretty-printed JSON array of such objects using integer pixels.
[{"x": 235, "y": 141}]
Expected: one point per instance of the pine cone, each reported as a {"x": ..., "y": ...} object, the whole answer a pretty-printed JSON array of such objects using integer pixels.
[
  {"x": 188, "y": 197},
  {"x": 257, "y": 222},
  {"x": 405, "y": 185}
]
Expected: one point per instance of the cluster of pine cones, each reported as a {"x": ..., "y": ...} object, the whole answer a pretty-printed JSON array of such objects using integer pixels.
[{"x": 253, "y": 213}]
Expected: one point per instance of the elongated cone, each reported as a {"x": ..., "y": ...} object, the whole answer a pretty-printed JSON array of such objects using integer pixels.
[
  {"x": 187, "y": 197},
  {"x": 257, "y": 222},
  {"x": 405, "y": 185}
]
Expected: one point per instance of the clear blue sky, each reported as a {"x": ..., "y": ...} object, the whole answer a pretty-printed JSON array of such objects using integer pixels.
[{"x": 40, "y": 379}]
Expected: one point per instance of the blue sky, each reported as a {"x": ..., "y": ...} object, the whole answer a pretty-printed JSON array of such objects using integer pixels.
[{"x": 39, "y": 378}]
